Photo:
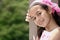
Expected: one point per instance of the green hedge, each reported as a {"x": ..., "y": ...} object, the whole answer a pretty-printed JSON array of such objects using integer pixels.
[{"x": 12, "y": 20}]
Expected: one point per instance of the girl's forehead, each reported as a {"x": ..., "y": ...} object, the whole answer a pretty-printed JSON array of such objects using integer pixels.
[{"x": 34, "y": 9}]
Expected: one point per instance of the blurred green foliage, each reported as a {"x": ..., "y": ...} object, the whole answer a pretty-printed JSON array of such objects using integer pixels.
[{"x": 12, "y": 20}]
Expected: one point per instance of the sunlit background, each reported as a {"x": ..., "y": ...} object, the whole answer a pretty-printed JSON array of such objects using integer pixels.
[{"x": 12, "y": 20}]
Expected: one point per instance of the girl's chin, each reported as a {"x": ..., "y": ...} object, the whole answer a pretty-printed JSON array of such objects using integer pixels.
[{"x": 41, "y": 25}]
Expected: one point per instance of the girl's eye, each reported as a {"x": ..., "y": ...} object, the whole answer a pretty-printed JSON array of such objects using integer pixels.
[
  {"x": 33, "y": 18},
  {"x": 40, "y": 13}
]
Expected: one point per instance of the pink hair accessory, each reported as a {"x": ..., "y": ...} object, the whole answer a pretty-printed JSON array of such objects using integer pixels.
[{"x": 54, "y": 6}]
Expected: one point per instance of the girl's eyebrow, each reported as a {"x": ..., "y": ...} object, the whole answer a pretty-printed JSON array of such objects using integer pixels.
[{"x": 37, "y": 12}]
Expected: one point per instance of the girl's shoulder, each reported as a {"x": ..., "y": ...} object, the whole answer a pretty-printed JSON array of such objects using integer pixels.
[
  {"x": 56, "y": 30},
  {"x": 55, "y": 34}
]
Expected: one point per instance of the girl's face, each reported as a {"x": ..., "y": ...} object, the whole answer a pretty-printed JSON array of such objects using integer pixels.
[{"x": 40, "y": 16}]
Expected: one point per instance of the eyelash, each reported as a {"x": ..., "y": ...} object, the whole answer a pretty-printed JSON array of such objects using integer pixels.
[{"x": 38, "y": 13}]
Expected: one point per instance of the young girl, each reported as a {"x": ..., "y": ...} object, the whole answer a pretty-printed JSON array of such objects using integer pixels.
[{"x": 44, "y": 14}]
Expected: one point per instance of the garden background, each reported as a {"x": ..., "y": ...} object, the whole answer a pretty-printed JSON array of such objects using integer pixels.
[{"x": 12, "y": 20}]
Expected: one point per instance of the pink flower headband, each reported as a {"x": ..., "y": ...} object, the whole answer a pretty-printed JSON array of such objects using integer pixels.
[{"x": 54, "y": 6}]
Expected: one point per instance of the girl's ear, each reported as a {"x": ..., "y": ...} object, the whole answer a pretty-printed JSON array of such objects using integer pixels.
[{"x": 49, "y": 10}]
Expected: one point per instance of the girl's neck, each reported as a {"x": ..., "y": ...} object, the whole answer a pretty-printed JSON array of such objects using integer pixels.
[{"x": 52, "y": 25}]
